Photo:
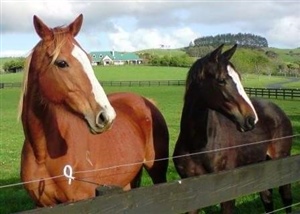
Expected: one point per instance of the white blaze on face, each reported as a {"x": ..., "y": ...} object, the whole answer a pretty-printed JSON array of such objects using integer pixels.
[
  {"x": 97, "y": 90},
  {"x": 236, "y": 78}
]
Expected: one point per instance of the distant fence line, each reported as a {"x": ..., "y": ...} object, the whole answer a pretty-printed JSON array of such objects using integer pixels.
[
  {"x": 144, "y": 83},
  {"x": 277, "y": 93}
]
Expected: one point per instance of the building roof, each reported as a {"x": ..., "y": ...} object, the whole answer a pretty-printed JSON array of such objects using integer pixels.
[{"x": 113, "y": 55}]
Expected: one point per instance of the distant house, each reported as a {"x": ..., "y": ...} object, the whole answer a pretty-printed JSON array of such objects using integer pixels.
[{"x": 114, "y": 58}]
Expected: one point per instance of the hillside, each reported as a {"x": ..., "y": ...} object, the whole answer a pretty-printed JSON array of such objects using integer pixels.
[
  {"x": 287, "y": 55},
  {"x": 260, "y": 61}
]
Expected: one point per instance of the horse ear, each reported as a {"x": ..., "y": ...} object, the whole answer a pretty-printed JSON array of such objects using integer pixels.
[
  {"x": 229, "y": 53},
  {"x": 76, "y": 25},
  {"x": 214, "y": 56},
  {"x": 44, "y": 32}
]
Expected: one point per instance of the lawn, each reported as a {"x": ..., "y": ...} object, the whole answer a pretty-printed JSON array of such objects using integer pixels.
[{"x": 168, "y": 99}]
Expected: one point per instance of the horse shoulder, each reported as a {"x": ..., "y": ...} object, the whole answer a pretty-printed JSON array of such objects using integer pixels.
[
  {"x": 145, "y": 116},
  {"x": 270, "y": 114},
  {"x": 131, "y": 104}
]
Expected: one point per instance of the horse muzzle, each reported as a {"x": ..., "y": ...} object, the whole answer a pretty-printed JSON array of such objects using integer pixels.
[
  {"x": 247, "y": 124},
  {"x": 102, "y": 122}
]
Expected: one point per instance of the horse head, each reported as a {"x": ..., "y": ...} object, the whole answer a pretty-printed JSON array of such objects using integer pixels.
[
  {"x": 63, "y": 75},
  {"x": 215, "y": 83}
]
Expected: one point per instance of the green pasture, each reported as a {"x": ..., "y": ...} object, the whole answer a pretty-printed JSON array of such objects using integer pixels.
[
  {"x": 126, "y": 73},
  {"x": 169, "y": 99}
]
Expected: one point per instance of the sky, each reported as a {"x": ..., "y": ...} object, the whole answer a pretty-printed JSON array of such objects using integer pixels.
[{"x": 136, "y": 25}]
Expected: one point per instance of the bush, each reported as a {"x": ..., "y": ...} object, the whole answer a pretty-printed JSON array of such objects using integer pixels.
[
  {"x": 174, "y": 61},
  {"x": 14, "y": 65}
]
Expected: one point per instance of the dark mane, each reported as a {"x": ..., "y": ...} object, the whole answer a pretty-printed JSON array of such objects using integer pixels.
[{"x": 195, "y": 71}]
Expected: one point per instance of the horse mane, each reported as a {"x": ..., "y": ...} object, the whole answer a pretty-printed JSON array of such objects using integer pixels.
[
  {"x": 24, "y": 84},
  {"x": 59, "y": 39},
  {"x": 194, "y": 73}
]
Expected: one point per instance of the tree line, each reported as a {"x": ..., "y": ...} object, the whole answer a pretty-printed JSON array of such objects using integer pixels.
[{"x": 242, "y": 39}]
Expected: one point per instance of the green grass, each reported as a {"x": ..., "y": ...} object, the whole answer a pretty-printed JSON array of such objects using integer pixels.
[
  {"x": 120, "y": 73},
  {"x": 261, "y": 81},
  {"x": 168, "y": 99}
]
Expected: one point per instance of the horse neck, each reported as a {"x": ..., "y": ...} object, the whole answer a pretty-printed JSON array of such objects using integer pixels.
[
  {"x": 194, "y": 121},
  {"x": 46, "y": 126}
]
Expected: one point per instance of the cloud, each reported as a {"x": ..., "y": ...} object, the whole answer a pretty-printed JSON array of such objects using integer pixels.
[
  {"x": 13, "y": 53},
  {"x": 286, "y": 32},
  {"x": 146, "y": 24},
  {"x": 150, "y": 38}
]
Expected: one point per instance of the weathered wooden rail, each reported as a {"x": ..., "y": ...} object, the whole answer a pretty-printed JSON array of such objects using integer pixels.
[{"x": 191, "y": 193}]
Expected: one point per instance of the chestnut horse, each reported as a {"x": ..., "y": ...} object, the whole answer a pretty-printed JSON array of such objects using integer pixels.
[
  {"x": 68, "y": 120},
  {"x": 217, "y": 113}
]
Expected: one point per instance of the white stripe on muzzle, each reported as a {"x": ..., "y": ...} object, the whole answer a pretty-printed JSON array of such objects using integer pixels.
[
  {"x": 97, "y": 90},
  {"x": 235, "y": 77}
]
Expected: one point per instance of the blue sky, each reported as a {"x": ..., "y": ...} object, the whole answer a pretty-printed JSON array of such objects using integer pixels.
[{"x": 136, "y": 25}]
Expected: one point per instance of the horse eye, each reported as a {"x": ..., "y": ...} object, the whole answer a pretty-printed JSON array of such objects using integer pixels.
[
  {"x": 221, "y": 81},
  {"x": 61, "y": 63}
]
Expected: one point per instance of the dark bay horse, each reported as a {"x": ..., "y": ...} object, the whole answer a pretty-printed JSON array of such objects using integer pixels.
[
  {"x": 217, "y": 114},
  {"x": 68, "y": 120}
]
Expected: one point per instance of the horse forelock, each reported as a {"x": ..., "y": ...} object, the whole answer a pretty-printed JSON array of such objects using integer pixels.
[{"x": 60, "y": 38}]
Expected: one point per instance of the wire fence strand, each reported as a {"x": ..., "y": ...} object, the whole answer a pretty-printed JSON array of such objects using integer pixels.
[{"x": 148, "y": 161}]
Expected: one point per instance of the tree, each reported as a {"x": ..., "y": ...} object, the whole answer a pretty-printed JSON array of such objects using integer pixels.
[
  {"x": 259, "y": 62},
  {"x": 14, "y": 65},
  {"x": 246, "y": 40}
]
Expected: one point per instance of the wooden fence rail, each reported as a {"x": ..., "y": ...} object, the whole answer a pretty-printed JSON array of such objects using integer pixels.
[
  {"x": 191, "y": 193},
  {"x": 284, "y": 93},
  {"x": 277, "y": 93},
  {"x": 144, "y": 83}
]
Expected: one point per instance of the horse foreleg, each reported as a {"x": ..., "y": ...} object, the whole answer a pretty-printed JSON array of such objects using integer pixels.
[
  {"x": 136, "y": 182},
  {"x": 286, "y": 197},
  {"x": 158, "y": 171},
  {"x": 227, "y": 207},
  {"x": 266, "y": 198},
  {"x": 282, "y": 149}
]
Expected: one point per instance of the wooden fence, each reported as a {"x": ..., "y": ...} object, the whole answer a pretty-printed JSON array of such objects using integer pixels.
[
  {"x": 144, "y": 83},
  {"x": 10, "y": 85},
  {"x": 284, "y": 93},
  {"x": 191, "y": 193},
  {"x": 277, "y": 93}
]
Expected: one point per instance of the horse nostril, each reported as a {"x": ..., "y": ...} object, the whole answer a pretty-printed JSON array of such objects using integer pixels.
[
  {"x": 250, "y": 122},
  {"x": 102, "y": 118}
]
